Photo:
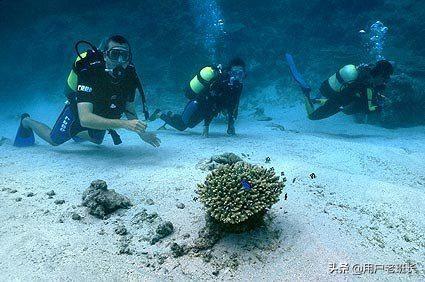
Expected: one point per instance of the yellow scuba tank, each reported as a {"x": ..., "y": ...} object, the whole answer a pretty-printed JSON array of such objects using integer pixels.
[
  {"x": 343, "y": 77},
  {"x": 91, "y": 58},
  {"x": 202, "y": 81},
  {"x": 73, "y": 78}
]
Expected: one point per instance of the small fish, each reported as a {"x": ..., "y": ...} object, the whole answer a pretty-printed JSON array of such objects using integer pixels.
[
  {"x": 312, "y": 175},
  {"x": 286, "y": 196},
  {"x": 268, "y": 160},
  {"x": 195, "y": 199},
  {"x": 282, "y": 173},
  {"x": 293, "y": 180},
  {"x": 246, "y": 185}
]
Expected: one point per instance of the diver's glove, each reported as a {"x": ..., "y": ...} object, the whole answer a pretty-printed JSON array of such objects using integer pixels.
[{"x": 373, "y": 109}]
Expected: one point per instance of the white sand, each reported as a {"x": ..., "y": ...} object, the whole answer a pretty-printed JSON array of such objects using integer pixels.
[{"x": 365, "y": 206}]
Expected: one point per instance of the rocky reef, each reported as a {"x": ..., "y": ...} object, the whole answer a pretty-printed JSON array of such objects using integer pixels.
[
  {"x": 102, "y": 201},
  {"x": 405, "y": 102},
  {"x": 237, "y": 194}
]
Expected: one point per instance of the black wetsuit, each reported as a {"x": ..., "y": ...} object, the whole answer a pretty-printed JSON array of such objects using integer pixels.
[
  {"x": 357, "y": 97},
  {"x": 220, "y": 97},
  {"x": 108, "y": 96}
]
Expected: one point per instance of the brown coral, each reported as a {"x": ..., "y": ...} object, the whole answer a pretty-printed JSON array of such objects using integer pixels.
[{"x": 228, "y": 201}]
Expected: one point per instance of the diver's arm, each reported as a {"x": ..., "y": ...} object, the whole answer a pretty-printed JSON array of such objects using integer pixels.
[
  {"x": 207, "y": 122},
  {"x": 370, "y": 105},
  {"x": 233, "y": 110},
  {"x": 231, "y": 116},
  {"x": 130, "y": 111},
  {"x": 231, "y": 125},
  {"x": 236, "y": 107},
  {"x": 90, "y": 120}
]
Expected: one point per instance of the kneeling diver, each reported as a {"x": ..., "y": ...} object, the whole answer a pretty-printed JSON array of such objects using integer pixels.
[
  {"x": 100, "y": 88},
  {"x": 352, "y": 89},
  {"x": 212, "y": 91}
]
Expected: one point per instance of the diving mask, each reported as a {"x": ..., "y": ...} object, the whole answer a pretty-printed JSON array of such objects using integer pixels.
[
  {"x": 118, "y": 55},
  {"x": 236, "y": 75}
]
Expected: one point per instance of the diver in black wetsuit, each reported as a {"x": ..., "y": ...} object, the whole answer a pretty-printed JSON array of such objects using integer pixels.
[
  {"x": 352, "y": 90},
  {"x": 212, "y": 91},
  {"x": 100, "y": 89}
]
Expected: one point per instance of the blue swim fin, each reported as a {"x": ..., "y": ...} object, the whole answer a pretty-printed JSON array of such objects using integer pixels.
[
  {"x": 296, "y": 75},
  {"x": 24, "y": 137}
]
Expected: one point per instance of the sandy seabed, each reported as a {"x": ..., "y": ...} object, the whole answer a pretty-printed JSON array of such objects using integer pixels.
[{"x": 364, "y": 208}]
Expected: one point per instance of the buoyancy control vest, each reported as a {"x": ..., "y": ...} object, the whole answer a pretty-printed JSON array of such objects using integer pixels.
[
  {"x": 90, "y": 58},
  {"x": 202, "y": 81}
]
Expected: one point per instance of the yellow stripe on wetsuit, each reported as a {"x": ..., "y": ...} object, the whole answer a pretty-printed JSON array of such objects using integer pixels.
[{"x": 73, "y": 78}]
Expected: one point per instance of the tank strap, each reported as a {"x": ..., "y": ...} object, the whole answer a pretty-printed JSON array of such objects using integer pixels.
[
  {"x": 203, "y": 81},
  {"x": 339, "y": 78}
]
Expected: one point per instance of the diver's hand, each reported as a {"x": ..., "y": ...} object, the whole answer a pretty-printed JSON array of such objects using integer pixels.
[
  {"x": 150, "y": 138},
  {"x": 231, "y": 129},
  {"x": 135, "y": 125},
  {"x": 206, "y": 131}
]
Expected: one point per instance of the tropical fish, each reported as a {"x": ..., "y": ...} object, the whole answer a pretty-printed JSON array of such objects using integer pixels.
[{"x": 246, "y": 185}]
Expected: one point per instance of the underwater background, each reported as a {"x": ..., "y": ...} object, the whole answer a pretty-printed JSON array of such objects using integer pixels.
[
  {"x": 172, "y": 40},
  {"x": 345, "y": 190}
]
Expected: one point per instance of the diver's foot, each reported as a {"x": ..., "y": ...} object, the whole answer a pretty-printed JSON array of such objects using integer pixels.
[
  {"x": 156, "y": 115},
  {"x": 24, "y": 118}
]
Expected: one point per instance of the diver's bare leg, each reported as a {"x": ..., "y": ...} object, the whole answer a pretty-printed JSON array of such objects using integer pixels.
[{"x": 42, "y": 130}]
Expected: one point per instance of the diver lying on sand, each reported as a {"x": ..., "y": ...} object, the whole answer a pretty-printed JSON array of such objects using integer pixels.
[
  {"x": 352, "y": 89},
  {"x": 212, "y": 91},
  {"x": 100, "y": 88}
]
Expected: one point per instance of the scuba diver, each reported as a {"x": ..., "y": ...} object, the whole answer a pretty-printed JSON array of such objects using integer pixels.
[
  {"x": 100, "y": 88},
  {"x": 212, "y": 91},
  {"x": 352, "y": 89}
]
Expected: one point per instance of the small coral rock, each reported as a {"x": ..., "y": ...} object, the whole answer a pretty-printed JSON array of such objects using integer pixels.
[{"x": 102, "y": 201}]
